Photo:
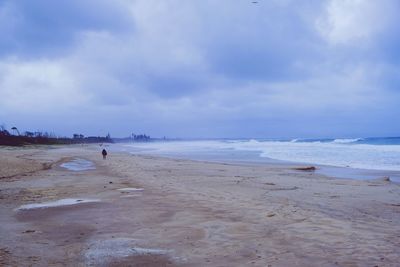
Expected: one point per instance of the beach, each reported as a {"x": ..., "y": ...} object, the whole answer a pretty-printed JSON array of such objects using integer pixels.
[{"x": 145, "y": 210}]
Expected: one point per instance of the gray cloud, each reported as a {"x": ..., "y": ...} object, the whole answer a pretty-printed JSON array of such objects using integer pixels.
[
  {"x": 200, "y": 68},
  {"x": 49, "y": 28}
]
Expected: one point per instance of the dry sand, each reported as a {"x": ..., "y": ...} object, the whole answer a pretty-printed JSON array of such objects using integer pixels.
[{"x": 186, "y": 213}]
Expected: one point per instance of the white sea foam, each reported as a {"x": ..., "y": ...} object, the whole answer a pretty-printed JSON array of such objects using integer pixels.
[
  {"x": 346, "y": 141},
  {"x": 57, "y": 203},
  {"x": 130, "y": 189},
  {"x": 78, "y": 165},
  {"x": 104, "y": 251},
  {"x": 378, "y": 157},
  {"x": 342, "y": 153}
]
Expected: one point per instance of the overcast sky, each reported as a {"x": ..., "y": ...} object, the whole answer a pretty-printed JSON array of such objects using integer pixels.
[{"x": 201, "y": 68}]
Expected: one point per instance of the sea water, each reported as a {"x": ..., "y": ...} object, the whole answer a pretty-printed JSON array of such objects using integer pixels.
[
  {"x": 78, "y": 165},
  {"x": 57, "y": 203},
  {"x": 379, "y": 154}
]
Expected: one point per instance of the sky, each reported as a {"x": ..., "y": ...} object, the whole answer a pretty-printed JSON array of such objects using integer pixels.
[{"x": 201, "y": 68}]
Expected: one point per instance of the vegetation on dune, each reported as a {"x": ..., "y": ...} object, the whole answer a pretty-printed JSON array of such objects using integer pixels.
[{"x": 15, "y": 138}]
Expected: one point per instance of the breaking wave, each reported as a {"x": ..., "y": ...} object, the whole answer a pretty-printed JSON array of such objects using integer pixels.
[
  {"x": 363, "y": 153},
  {"x": 346, "y": 141}
]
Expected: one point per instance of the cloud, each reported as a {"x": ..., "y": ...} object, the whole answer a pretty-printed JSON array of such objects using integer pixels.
[
  {"x": 347, "y": 21},
  {"x": 38, "y": 87},
  {"x": 46, "y": 28},
  {"x": 200, "y": 68}
]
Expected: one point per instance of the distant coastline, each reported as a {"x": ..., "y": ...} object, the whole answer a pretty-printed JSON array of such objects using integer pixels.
[{"x": 15, "y": 138}]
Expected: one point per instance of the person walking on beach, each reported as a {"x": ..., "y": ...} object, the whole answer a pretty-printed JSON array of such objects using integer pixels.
[{"x": 104, "y": 153}]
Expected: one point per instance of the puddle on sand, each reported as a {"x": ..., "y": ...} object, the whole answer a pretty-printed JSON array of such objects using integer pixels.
[
  {"x": 104, "y": 251},
  {"x": 130, "y": 189},
  {"x": 57, "y": 203},
  {"x": 78, "y": 165}
]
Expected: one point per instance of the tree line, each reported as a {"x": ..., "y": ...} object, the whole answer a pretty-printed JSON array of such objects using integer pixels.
[{"x": 15, "y": 138}]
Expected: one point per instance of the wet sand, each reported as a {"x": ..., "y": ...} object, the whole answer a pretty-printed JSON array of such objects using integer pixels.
[{"x": 150, "y": 211}]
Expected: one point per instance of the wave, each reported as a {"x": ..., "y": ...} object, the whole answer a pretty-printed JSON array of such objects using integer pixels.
[
  {"x": 367, "y": 153},
  {"x": 351, "y": 141},
  {"x": 318, "y": 141},
  {"x": 347, "y": 141}
]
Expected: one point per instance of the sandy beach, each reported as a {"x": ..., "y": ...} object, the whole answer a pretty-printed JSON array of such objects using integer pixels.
[{"x": 133, "y": 210}]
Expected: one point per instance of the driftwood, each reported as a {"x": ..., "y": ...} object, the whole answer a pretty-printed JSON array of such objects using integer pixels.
[{"x": 308, "y": 168}]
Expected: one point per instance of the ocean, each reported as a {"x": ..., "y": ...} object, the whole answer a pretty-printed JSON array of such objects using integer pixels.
[{"x": 379, "y": 155}]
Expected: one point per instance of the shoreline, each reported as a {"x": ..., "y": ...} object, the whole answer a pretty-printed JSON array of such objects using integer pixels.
[
  {"x": 358, "y": 156},
  {"x": 138, "y": 210},
  {"x": 333, "y": 171}
]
